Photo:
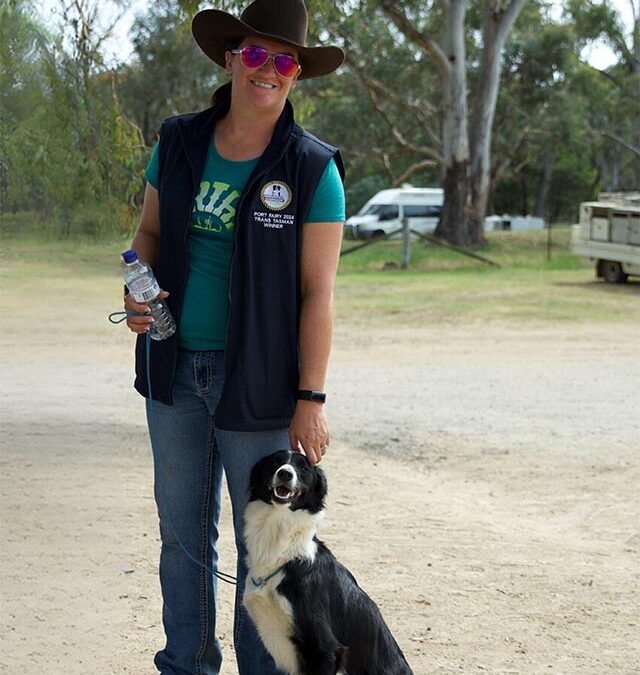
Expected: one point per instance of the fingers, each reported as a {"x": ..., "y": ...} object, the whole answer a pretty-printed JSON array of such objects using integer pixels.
[
  {"x": 313, "y": 455},
  {"x": 309, "y": 431},
  {"x": 141, "y": 323},
  {"x": 314, "y": 449}
]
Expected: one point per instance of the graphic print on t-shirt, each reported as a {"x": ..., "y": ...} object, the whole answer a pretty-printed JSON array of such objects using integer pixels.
[{"x": 215, "y": 206}]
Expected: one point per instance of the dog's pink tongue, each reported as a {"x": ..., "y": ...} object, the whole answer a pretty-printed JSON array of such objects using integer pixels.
[{"x": 282, "y": 491}]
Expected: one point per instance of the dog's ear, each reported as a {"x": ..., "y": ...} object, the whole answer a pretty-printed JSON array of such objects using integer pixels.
[
  {"x": 257, "y": 481},
  {"x": 320, "y": 483}
]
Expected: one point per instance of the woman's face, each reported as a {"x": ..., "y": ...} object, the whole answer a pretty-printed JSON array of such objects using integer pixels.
[{"x": 263, "y": 88}]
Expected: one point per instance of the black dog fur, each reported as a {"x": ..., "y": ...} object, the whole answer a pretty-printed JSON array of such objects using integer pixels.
[{"x": 334, "y": 627}]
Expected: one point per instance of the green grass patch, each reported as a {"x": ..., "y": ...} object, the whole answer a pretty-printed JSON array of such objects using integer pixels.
[
  {"x": 29, "y": 256},
  {"x": 513, "y": 295},
  {"x": 533, "y": 248},
  {"x": 444, "y": 289},
  {"x": 538, "y": 280}
]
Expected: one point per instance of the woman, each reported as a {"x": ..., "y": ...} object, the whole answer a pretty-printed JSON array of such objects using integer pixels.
[{"x": 242, "y": 222}]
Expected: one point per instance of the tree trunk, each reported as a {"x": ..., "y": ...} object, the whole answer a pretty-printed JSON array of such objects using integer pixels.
[
  {"x": 524, "y": 194},
  {"x": 455, "y": 136},
  {"x": 453, "y": 221},
  {"x": 497, "y": 24},
  {"x": 615, "y": 168},
  {"x": 545, "y": 185}
]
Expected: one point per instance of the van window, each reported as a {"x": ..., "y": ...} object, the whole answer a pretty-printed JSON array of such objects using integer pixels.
[
  {"x": 422, "y": 211},
  {"x": 383, "y": 211},
  {"x": 388, "y": 212}
]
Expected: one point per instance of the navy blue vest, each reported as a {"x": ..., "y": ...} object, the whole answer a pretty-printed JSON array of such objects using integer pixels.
[{"x": 261, "y": 353}]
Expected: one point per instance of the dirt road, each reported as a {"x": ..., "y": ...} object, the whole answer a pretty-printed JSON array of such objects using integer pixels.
[{"x": 483, "y": 489}]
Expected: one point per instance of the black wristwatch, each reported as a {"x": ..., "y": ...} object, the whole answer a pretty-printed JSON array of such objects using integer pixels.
[{"x": 309, "y": 395}]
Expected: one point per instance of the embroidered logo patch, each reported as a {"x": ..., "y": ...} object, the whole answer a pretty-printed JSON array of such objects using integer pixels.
[{"x": 276, "y": 195}]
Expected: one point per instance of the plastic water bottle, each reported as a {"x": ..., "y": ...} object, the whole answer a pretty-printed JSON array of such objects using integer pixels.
[{"x": 145, "y": 290}]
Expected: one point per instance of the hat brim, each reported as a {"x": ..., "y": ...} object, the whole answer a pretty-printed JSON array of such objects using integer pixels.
[{"x": 213, "y": 29}]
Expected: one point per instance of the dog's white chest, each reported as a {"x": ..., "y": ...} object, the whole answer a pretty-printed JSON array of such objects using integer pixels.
[
  {"x": 273, "y": 617},
  {"x": 275, "y": 536}
]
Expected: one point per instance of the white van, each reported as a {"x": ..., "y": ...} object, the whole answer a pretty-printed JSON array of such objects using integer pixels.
[{"x": 384, "y": 212}]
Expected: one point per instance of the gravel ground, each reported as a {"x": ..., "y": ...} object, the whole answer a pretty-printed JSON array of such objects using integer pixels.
[{"x": 483, "y": 489}]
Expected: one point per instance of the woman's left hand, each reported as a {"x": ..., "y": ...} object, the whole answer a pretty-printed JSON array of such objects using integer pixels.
[{"x": 309, "y": 430}]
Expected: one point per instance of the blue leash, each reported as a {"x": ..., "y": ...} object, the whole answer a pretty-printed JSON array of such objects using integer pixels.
[{"x": 223, "y": 576}]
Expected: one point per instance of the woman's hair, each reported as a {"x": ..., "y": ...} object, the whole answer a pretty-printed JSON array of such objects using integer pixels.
[
  {"x": 224, "y": 92},
  {"x": 221, "y": 94}
]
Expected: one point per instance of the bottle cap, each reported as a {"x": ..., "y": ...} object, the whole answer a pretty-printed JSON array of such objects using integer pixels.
[{"x": 130, "y": 256}]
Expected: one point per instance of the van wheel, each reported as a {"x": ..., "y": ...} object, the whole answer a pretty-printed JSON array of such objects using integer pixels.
[
  {"x": 377, "y": 234},
  {"x": 611, "y": 271}
]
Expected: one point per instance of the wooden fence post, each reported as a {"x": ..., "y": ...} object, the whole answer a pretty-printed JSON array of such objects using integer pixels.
[{"x": 406, "y": 244}]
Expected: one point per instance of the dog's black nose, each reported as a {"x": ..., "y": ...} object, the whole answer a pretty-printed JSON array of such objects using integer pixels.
[{"x": 284, "y": 474}]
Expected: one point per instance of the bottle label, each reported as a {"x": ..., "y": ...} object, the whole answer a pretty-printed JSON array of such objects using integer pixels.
[{"x": 142, "y": 295}]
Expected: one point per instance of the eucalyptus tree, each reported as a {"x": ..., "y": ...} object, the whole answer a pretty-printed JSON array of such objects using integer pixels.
[
  {"x": 466, "y": 135},
  {"x": 168, "y": 74},
  {"x": 20, "y": 89},
  {"x": 614, "y": 120},
  {"x": 538, "y": 119}
]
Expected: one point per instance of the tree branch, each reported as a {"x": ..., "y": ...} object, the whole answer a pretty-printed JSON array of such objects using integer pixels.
[
  {"x": 376, "y": 89},
  {"x": 397, "y": 134},
  {"x": 508, "y": 17},
  {"x": 405, "y": 26},
  {"x": 625, "y": 144},
  {"x": 414, "y": 168},
  {"x": 370, "y": 82}
]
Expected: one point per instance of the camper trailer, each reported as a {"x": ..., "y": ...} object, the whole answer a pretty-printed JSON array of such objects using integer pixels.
[
  {"x": 609, "y": 236},
  {"x": 384, "y": 212}
]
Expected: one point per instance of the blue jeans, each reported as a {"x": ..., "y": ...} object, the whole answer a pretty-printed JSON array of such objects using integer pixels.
[{"x": 190, "y": 455}]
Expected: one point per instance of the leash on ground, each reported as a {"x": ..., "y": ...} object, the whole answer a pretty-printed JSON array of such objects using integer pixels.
[{"x": 119, "y": 317}]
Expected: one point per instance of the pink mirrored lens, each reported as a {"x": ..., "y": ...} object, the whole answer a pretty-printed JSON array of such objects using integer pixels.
[
  {"x": 285, "y": 64},
  {"x": 255, "y": 57}
]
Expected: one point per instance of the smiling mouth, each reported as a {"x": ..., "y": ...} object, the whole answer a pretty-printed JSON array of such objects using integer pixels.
[
  {"x": 284, "y": 494},
  {"x": 263, "y": 85}
]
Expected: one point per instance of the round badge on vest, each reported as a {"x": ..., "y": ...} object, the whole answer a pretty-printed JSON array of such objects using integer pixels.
[{"x": 276, "y": 195}]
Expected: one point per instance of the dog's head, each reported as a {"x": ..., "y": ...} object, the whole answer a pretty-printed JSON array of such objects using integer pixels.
[{"x": 287, "y": 479}]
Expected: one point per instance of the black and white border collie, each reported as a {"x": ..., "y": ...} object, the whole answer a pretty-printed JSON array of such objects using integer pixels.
[{"x": 310, "y": 613}]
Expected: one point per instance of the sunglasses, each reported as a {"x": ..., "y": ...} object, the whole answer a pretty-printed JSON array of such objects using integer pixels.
[{"x": 255, "y": 57}]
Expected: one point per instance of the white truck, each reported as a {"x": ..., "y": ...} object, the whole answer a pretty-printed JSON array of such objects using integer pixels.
[{"x": 609, "y": 236}]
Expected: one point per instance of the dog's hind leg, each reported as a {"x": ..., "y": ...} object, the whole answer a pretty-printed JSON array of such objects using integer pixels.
[{"x": 322, "y": 655}]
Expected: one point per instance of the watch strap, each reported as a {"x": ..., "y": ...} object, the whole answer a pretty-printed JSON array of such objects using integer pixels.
[{"x": 311, "y": 395}]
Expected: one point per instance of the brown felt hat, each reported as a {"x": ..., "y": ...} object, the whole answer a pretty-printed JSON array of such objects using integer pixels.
[{"x": 281, "y": 20}]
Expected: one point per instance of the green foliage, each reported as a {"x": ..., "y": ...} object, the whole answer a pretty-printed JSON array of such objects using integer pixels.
[
  {"x": 551, "y": 109},
  {"x": 75, "y": 135},
  {"x": 359, "y": 192},
  {"x": 96, "y": 220},
  {"x": 68, "y": 152},
  {"x": 169, "y": 74}
]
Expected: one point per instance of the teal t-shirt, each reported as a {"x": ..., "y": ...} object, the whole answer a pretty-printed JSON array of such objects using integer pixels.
[{"x": 206, "y": 299}]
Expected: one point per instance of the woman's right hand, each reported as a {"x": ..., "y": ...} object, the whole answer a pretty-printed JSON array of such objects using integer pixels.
[{"x": 139, "y": 324}]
